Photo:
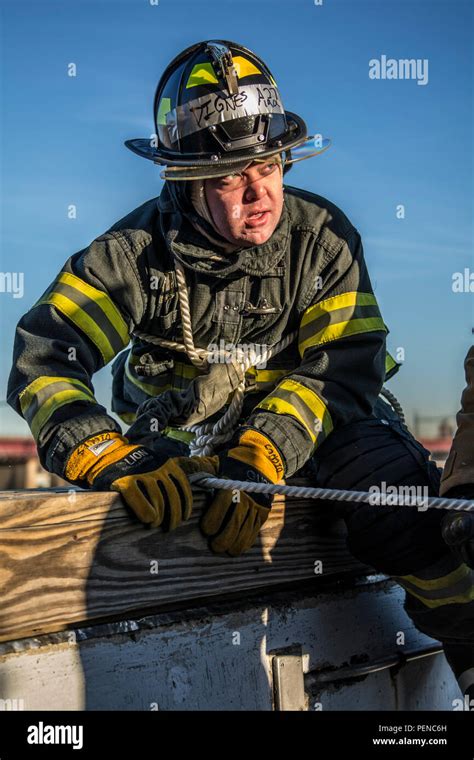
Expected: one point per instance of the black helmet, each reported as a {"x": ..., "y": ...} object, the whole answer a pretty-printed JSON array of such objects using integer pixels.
[{"x": 217, "y": 108}]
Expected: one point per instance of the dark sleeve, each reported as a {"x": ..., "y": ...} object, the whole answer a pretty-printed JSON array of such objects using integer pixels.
[
  {"x": 79, "y": 324},
  {"x": 459, "y": 467},
  {"x": 342, "y": 346}
]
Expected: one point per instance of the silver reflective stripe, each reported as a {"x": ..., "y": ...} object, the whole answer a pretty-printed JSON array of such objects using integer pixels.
[
  {"x": 218, "y": 106},
  {"x": 466, "y": 679}
]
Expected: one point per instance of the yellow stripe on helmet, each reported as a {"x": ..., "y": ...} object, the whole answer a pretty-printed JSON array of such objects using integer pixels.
[
  {"x": 245, "y": 68},
  {"x": 202, "y": 73}
]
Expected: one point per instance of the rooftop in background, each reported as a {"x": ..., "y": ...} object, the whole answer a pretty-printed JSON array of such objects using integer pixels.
[
  {"x": 17, "y": 448},
  {"x": 437, "y": 445}
]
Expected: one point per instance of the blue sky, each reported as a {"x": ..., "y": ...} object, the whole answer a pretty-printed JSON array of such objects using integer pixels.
[{"x": 394, "y": 142}]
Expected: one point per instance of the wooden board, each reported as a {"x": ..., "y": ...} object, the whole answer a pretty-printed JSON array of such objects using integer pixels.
[{"x": 67, "y": 558}]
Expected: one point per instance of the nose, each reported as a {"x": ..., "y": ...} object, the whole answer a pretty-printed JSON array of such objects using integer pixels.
[{"x": 255, "y": 190}]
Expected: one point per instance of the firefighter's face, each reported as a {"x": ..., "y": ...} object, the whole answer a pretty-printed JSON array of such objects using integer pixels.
[{"x": 246, "y": 208}]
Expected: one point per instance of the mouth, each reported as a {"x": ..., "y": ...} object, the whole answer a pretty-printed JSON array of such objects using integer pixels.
[{"x": 257, "y": 219}]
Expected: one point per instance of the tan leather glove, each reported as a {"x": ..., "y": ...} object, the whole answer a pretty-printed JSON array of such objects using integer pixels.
[
  {"x": 154, "y": 486},
  {"x": 232, "y": 525}
]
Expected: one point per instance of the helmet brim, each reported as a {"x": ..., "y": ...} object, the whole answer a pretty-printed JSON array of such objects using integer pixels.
[{"x": 296, "y": 135}]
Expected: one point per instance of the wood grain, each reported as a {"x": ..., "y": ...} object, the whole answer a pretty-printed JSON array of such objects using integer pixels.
[{"x": 69, "y": 558}]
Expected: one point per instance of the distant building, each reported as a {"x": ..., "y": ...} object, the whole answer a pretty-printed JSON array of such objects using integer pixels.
[
  {"x": 440, "y": 445},
  {"x": 20, "y": 466}
]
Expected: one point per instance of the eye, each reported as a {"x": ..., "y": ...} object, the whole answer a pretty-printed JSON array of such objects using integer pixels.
[
  {"x": 269, "y": 167},
  {"x": 228, "y": 180}
]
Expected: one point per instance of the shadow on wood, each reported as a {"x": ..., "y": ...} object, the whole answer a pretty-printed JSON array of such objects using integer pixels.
[{"x": 71, "y": 557}]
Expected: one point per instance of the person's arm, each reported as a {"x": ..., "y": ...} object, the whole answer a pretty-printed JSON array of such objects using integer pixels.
[
  {"x": 79, "y": 324},
  {"x": 457, "y": 481},
  {"x": 458, "y": 473},
  {"x": 343, "y": 363}
]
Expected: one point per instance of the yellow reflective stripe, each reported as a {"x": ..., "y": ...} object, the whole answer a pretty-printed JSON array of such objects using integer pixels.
[
  {"x": 128, "y": 417},
  {"x": 245, "y": 68},
  {"x": 279, "y": 406},
  {"x": 54, "y": 403},
  {"x": 342, "y": 330},
  {"x": 98, "y": 299},
  {"x": 103, "y": 300},
  {"x": 312, "y": 400},
  {"x": 163, "y": 109},
  {"x": 464, "y": 598},
  {"x": 391, "y": 366},
  {"x": 267, "y": 375},
  {"x": 84, "y": 322},
  {"x": 38, "y": 415},
  {"x": 313, "y": 403},
  {"x": 179, "y": 368},
  {"x": 186, "y": 370},
  {"x": 342, "y": 301},
  {"x": 202, "y": 73},
  {"x": 168, "y": 380},
  {"x": 150, "y": 390},
  {"x": 438, "y": 583},
  {"x": 390, "y": 363},
  {"x": 432, "y": 592},
  {"x": 337, "y": 317},
  {"x": 178, "y": 434},
  {"x": 28, "y": 395}
]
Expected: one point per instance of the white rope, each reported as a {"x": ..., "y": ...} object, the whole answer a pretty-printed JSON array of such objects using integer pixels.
[
  {"x": 332, "y": 494},
  {"x": 209, "y": 434},
  {"x": 198, "y": 356},
  {"x": 394, "y": 402}
]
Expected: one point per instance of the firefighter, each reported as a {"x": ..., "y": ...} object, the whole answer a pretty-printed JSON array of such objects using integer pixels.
[
  {"x": 458, "y": 528},
  {"x": 260, "y": 259},
  {"x": 458, "y": 475}
]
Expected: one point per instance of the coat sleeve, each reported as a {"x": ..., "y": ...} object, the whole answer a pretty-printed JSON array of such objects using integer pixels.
[
  {"x": 342, "y": 348},
  {"x": 82, "y": 320},
  {"x": 459, "y": 467}
]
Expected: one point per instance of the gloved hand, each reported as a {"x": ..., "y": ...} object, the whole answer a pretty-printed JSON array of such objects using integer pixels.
[
  {"x": 154, "y": 486},
  {"x": 457, "y": 528},
  {"x": 234, "y": 523}
]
